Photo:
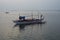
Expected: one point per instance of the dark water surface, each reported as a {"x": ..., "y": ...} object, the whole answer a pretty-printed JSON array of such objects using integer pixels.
[{"x": 48, "y": 31}]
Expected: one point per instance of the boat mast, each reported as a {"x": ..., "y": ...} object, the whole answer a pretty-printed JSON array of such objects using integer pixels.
[
  {"x": 19, "y": 14},
  {"x": 38, "y": 14},
  {"x": 32, "y": 14}
]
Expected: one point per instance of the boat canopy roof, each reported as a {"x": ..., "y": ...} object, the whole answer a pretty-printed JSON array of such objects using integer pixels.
[{"x": 21, "y": 17}]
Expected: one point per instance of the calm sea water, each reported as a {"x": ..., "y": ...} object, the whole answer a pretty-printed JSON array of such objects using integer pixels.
[{"x": 48, "y": 31}]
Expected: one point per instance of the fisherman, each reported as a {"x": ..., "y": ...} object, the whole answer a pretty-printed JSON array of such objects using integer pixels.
[{"x": 41, "y": 17}]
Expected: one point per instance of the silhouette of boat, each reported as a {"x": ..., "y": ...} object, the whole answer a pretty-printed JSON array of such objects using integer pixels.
[
  {"x": 6, "y": 12},
  {"x": 23, "y": 21}
]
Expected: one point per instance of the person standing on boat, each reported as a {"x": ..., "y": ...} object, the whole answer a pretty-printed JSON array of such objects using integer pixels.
[{"x": 41, "y": 17}]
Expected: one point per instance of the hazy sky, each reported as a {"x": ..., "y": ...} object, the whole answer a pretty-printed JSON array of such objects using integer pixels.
[{"x": 30, "y": 4}]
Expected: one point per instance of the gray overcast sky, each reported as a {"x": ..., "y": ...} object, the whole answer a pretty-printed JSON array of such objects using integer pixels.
[{"x": 30, "y": 4}]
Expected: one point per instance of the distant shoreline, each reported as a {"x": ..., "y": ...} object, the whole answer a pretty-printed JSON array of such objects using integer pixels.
[{"x": 26, "y": 10}]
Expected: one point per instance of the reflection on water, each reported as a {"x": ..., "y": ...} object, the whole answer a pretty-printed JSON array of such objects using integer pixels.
[
  {"x": 30, "y": 32},
  {"x": 22, "y": 27}
]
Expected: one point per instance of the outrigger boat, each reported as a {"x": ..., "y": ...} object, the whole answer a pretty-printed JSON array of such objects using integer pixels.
[{"x": 23, "y": 21}]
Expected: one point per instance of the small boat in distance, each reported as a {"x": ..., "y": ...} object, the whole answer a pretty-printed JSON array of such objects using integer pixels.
[
  {"x": 6, "y": 12},
  {"x": 23, "y": 21}
]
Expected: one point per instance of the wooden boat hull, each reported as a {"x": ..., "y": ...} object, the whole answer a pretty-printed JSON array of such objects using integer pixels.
[{"x": 29, "y": 22}]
